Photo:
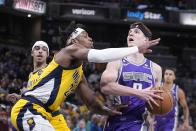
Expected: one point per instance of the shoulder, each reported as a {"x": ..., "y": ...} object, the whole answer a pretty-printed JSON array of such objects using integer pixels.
[
  {"x": 111, "y": 70},
  {"x": 114, "y": 65},
  {"x": 156, "y": 67},
  {"x": 180, "y": 91},
  {"x": 30, "y": 74},
  {"x": 181, "y": 94},
  {"x": 68, "y": 49}
]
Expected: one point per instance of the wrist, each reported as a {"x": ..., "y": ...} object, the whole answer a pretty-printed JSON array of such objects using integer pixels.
[
  {"x": 135, "y": 92},
  {"x": 186, "y": 121},
  {"x": 134, "y": 49}
]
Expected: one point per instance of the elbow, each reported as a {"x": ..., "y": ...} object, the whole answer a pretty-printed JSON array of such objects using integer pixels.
[{"x": 105, "y": 88}]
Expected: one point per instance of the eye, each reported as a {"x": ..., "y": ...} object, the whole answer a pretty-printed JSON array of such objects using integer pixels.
[
  {"x": 44, "y": 48},
  {"x": 85, "y": 36},
  {"x": 136, "y": 31},
  {"x": 37, "y": 47}
]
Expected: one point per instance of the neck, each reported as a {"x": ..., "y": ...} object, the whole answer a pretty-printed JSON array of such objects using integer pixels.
[
  {"x": 37, "y": 66},
  {"x": 137, "y": 58},
  {"x": 167, "y": 85}
]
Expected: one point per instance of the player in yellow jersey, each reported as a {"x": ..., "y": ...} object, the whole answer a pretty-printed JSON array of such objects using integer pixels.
[
  {"x": 63, "y": 76},
  {"x": 40, "y": 52}
]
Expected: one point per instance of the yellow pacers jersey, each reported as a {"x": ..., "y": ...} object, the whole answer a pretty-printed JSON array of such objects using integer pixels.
[
  {"x": 55, "y": 84},
  {"x": 33, "y": 78}
]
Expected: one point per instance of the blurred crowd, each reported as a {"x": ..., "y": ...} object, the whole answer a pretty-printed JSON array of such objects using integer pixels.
[{"x": 15, "y": 66}]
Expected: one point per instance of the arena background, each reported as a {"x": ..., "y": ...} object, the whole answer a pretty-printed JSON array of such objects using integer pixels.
[{"x": 22, "y": 22}]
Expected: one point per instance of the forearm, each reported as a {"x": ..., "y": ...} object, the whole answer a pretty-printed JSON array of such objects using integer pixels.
[
  {"x": 110, "y": 54},
  {"x": 186, "y": 114},
  {"x": 116, "y": 89}
]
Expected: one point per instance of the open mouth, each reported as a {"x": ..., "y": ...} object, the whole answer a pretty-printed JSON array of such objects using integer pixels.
[
  {"x": 130, "y": 39},
  {"x": 40, "y": 56}
]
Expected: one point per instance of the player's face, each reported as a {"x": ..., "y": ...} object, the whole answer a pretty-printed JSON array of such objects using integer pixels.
[
  {"x": 40, "y": 53},
  {"x": 85, "y": 40},
  {"x": 135, "y": 36},
  {"x": 169, "y": 76}
]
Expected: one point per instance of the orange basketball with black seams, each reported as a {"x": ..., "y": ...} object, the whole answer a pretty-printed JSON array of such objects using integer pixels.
[{"x": 165, "y": 105}]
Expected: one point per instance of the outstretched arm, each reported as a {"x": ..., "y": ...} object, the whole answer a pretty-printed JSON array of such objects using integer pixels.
[
  {"x": 93, "y": 103},
  {"x": 111, "y": 54},
  {"x": 100, "y": 56}
]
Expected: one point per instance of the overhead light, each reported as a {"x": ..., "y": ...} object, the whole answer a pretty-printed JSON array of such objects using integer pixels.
[
  {"x": 187, "y": 18},
  {"x": 29, "y": 15}
]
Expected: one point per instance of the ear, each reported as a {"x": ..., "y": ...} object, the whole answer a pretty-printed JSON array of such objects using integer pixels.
[
  {"x": 31, "y": 53},
  {"x": 174, "y": 77},
  {"x": 74, "y": 41}
]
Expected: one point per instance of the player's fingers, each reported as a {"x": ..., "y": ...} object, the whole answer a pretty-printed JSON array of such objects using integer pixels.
[
  {"x": 148, "y": 51},
  {"x": 115, "y": 112},
  {"x": 153, "y": 43},
  {"x": 153, "y": 101},
  {"x": 118, "y": 107},
  {"x": 149, "y": 104},
  {"x": 155, "y": 40},
  {"x": 157, "y": 91},
  {"x": 157, "y": 96}
]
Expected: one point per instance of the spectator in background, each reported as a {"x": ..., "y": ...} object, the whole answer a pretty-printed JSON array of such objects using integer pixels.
[
  {"x": 81, "y": 126},
  {"x": 95, "y": 121},
  {"x": 3, "y": 118},
  {"x": 69, "y": 122}
]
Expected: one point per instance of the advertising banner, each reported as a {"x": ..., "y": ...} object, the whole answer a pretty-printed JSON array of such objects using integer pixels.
[
  {"x": 2, "y": 2},
  {"x": 32, "y": 6},
  {"x": 81, "y": 11},
  {"x": 149, "y": 15}
]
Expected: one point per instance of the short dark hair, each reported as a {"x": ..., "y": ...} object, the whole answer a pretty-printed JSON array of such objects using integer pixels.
[
  {"x": 143, "y": 28},
  {"x": 170, "y": 68},
  {"x": 66, "y": 33}
]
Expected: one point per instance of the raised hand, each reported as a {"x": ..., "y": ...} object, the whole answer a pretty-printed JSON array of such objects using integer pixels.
[{"x": 144, "y": 46}]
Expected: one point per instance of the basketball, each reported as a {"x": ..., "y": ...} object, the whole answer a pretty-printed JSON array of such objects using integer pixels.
[{"x": 165, "y": 105}]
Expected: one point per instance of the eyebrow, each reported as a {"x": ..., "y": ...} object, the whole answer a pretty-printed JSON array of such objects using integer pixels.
[{"x": 137, "y": 29}]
